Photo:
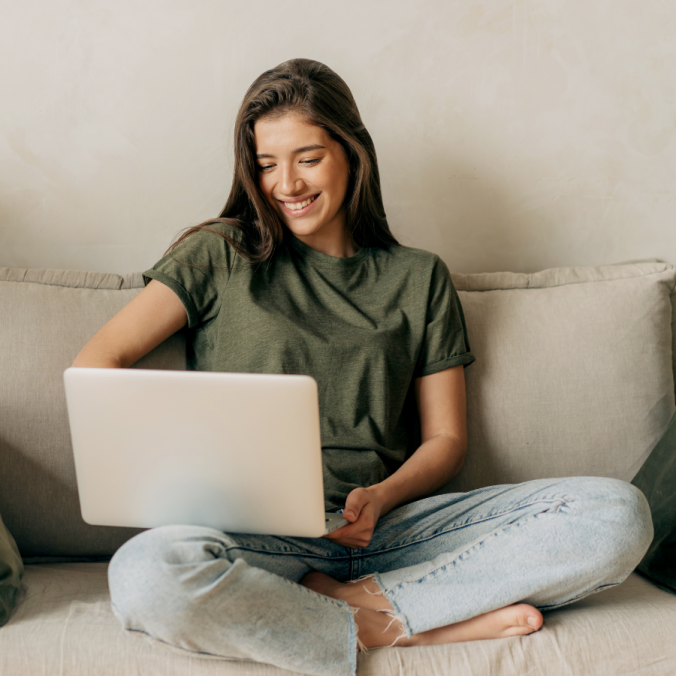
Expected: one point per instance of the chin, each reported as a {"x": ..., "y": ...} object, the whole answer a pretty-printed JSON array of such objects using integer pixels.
[{"x": 298, "y": 229}]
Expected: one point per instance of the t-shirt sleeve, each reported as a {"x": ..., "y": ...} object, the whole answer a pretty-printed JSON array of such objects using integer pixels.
[
  {"x": 197, "y": 271},
  {"x": 445, "y": 342}
]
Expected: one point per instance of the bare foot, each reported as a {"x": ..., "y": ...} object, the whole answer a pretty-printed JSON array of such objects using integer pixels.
[
  {"x": 376, "y": 629},
  {"x": 516, "y": 620}
]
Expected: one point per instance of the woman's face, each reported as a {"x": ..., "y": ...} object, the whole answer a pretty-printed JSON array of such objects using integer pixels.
[{"x": 304, "y": 174}]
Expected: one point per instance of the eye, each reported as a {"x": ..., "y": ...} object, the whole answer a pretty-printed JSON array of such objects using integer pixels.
[{"x": 310, "y": 162}]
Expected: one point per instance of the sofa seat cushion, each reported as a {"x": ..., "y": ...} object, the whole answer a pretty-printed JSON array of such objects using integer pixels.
[{"x": 64, "y": 624}]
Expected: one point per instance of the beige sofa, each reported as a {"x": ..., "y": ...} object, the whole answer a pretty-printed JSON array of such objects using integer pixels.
[{"x": 574, "y": 376}]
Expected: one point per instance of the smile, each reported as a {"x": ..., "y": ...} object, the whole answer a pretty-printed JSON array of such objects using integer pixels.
[{"x": 298, "y": 208}]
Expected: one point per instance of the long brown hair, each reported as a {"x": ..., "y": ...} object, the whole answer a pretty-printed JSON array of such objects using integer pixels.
[{"x": 322, "y": 98}]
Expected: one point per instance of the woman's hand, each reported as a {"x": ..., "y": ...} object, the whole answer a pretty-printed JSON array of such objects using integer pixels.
[{"x": 362, "y": 510}]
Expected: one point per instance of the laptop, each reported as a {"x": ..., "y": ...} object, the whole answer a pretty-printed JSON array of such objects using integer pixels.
[{"x": 238, "y": 452}]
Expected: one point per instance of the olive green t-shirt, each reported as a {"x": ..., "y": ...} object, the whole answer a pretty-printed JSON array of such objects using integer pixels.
[{"x": 363, "y": 327}]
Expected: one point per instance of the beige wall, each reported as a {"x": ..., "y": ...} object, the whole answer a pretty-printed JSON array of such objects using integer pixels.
[{"x": 511, "y": 135}]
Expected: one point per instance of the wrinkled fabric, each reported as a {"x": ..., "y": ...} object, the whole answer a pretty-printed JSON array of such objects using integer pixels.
[{"x": 363, "y": 327}]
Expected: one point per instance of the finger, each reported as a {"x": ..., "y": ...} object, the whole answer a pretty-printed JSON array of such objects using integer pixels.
[
  {"x": 355, "y": 503},
  {"x": 345, "y": 534},
  {"x": 337, "y": 533},
  {"x": 340, "y": 532},
  {"x": 356, "y": 542},
  {"x": 354, "y": 535}
]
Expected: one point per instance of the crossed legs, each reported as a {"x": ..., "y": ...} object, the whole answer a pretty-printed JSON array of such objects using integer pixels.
[
  {"x": 447, "y": 568},
  {"x": 479, "y": 565}
]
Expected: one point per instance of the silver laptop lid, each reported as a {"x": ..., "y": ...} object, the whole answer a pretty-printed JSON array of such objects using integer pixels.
[{"x": 237, "y": 452}]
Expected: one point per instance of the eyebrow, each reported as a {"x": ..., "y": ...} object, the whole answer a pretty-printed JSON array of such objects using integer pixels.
[{"x": 304, "y": 149}]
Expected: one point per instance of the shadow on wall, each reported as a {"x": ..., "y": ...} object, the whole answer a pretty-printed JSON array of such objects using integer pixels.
[{"x": 470, "y": 216}]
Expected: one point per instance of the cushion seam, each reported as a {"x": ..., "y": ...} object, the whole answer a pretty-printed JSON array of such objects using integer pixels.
[
  {"x": 71, "y": 286},
  {"x": 571, "y": 283}
]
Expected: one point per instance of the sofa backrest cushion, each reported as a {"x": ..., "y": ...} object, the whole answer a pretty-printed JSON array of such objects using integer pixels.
[
  {"x": 573, "y": 377},
  {"x": 573, "y": 373},
  {"x": 47, "y": 316}
]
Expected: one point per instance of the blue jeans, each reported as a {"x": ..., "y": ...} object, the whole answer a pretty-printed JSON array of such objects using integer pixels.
[{"x": 439, "y": 560}]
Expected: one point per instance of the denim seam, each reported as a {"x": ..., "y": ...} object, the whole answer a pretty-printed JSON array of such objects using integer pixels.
[
  {"x": 280, "y": 553},
  {"x": 475, "y": 546},
  {"x": 464, "y": 525},
  {"x": 579, "y": 597}
]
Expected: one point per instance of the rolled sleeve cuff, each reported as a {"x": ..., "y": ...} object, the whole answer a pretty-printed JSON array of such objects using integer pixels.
[
  {"x": 179, "y": 290},
  {"x": 456, "y": 360}
]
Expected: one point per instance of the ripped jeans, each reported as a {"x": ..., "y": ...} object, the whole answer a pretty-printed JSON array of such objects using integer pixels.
[{"x": 439, "y": 560}]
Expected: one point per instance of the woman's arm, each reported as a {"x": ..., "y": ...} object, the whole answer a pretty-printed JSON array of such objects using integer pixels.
[
  {"x": 443, "y": 426},
  {"x": 146, "y": 321}
]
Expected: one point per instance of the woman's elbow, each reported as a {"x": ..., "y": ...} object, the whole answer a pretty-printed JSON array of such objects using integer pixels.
[
  {"x": 92, "y": 357},
  {"x": 457, "y": 451}
]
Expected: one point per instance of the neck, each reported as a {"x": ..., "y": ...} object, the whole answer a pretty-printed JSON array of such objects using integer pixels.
[{"x": 335, "y": 242}]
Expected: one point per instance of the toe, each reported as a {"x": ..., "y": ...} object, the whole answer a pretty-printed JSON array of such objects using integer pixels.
[{"x": 528, "y": 618}]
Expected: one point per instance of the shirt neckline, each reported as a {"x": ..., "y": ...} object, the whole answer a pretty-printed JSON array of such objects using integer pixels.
[{"x": 325, "y": 259}]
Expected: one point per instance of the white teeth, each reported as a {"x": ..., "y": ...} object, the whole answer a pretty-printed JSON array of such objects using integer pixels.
[{"x": 295, "y": 206}]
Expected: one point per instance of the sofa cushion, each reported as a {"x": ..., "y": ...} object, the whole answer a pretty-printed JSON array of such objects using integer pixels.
[
  {"x": 573, "y": 371},
  {"x": 47, "y": 316},
  {"x": 65, "y": 620}
]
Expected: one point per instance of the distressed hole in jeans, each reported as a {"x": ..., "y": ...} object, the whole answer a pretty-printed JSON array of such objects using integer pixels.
[
  {"x": 361, "y": 648},
  {"x": 394, "y": 617},
  {"x": 380, "y": 592}
]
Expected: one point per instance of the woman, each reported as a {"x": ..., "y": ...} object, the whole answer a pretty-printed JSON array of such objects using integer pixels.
[{"x": 301, "y": 274}]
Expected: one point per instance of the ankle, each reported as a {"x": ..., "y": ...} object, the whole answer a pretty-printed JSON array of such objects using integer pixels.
[
  {"x": 365, "y": 593},
  {"x": 379, "y": 629}
]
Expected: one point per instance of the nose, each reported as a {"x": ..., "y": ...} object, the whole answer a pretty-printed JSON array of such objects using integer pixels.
[{"x": 291, "y": 183}]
